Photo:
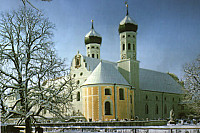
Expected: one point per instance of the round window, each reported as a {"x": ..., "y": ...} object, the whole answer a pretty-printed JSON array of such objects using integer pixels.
[{"x": 81, "y": 74}]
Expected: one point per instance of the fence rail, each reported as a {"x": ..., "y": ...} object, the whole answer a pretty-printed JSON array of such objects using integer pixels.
[{"x": 134, "y": 129}]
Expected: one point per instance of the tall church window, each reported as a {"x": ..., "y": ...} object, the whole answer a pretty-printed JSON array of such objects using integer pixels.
[
  {"x": 121, "y": 94},
  {"x": 133, "y": 46},
  {"x": 156, "y": 109},
  {"x": 131, "y": 99},
  {"x": 156, "y": 98},
  {"x": 123, "y": 47},
  {"x": 107, "y": 108},
  {"x": 107, "y": 91},
  {"x": 92, "y": 55},
  {"x": 146, "y": 109},
  {"x": 165, "y": 109},
  {"x": 129, "y": 46},
  {"x": 78, "y": 96},
  {"x": 88, "y": 55},
  {"x": 97, "y": 56},
  {"x": 146, "y": 97}
]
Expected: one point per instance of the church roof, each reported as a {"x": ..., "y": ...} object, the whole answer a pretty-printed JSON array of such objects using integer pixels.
[
  {"x": 150, "y": 80},
  {"x": 127, "y": 20},
  {"x": 158, "y": 81},
  {"x": 92, "y": 33},
  {"x": 106, "y": 73},
  {"x": 93, "y": 36}
]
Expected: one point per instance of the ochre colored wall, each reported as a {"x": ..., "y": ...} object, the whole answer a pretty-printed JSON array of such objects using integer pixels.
[{"x": 93, "y": 105}]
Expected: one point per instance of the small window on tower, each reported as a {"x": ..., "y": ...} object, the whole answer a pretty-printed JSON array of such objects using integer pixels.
[
  {"x": 88, "y": 47},
  {"x": 123, "y": 47},
  {"x": 129, "y": 46},
  {"x": 133, "y": 36},
  {"x": 123, "y": 36},
  {"x": 92, "y": 46},
  {"x": 97, "y": 47},
  {"x": 97, "y": 56},
  {"x": 128, "y": 35},
  {"x": 133, "y": 46},
  {"x": 88, "y": 55},
  {"x": 92, "y": 55}
]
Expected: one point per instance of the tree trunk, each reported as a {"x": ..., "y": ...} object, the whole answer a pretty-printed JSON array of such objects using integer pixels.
[{"x": 28, "y": 125}]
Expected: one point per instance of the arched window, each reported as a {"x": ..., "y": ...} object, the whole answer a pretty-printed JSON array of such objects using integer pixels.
[
  {"x": 129, "y": 46},
  {"x": 78, "y": 96},
  {"x": 121, "y": 94},
  {"x": 107, "y": 91},
  {"x": 131, "y": 99},
  {"x": 123, "y": 47},
  {"x": 156, "y": 98},
  {"x": 156, "y": 109},
  {"x": 107, "y": 108},
  {"x": 92, "y": 55},
  {"x": 146, "y": 97},
  {"x": 165, "y": 109},
  {"x": 133, "y": 46},
  {"x": 146, "y": 109}
]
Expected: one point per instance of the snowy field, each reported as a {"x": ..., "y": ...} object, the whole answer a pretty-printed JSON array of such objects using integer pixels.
[{"x": 126, "y": 129}]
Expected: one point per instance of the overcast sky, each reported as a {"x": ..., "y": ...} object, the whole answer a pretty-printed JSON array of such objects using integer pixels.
[{"x": 168, "y": 34}]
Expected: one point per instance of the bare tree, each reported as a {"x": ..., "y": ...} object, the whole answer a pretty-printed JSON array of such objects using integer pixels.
[
  {"x": 29, "y": 68},
  {"x": 27, "y": 1},
  {"x": 192, "y": 85}
]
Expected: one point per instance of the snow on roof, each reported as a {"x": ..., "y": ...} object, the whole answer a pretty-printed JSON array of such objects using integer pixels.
[
  {"x": 92, "y": 33},
  {"x": 126, "y": 20},
  {"x": 106, "y": 73},
  {"x": 158, "y": 81}
]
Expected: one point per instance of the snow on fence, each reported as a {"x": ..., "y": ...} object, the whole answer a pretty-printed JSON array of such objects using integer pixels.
[{"x": 133, "y": 129}]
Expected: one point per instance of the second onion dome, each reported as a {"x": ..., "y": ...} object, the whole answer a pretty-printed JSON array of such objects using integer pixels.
[
  {"x": 93, "y": 36},
  {"x": 127, "y": 24}
]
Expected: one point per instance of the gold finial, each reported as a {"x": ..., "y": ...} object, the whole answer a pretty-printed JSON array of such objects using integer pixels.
[
  {"x": 126, "y": 7},
  {"x": 92, "y": 23}
]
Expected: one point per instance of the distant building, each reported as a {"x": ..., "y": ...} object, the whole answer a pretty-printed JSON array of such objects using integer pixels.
[{"x": 121, "y": 90}]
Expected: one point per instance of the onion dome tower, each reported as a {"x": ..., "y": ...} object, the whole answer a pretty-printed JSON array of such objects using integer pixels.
[
  {"x": 93, "y": 43},
  {"x": 128, "y": 31}
]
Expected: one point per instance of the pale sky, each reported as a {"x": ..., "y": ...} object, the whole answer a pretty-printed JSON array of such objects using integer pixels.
[{"x": 168, "y": 30}]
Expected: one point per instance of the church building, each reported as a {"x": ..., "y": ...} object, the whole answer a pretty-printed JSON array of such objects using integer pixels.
[{"x": 121, "y": 90}]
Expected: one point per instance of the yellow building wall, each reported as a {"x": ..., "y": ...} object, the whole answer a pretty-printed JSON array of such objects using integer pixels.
[{"x": 93, "y": 107}]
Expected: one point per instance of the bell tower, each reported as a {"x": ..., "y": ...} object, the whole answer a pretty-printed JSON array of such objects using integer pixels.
[
  {"x": 128, "y": 31},
  {"x": 128, "y": 64},
  {"x": 93, "y": 43}
]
